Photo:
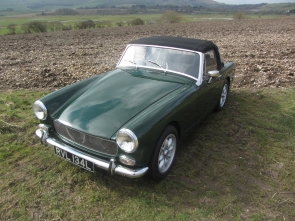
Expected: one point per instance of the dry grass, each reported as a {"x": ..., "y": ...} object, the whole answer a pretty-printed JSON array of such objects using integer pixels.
[{"x": 237, "y": 165}]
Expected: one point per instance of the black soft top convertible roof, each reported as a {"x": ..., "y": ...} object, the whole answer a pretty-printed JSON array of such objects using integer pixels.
[
  {"x": 177, "y": 42},
  {"x": 182, "y": 43}
]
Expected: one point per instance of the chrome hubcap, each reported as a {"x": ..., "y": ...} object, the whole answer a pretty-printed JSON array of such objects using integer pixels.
[
  {"x": 223, "y": 95},
  {"x": 167, "y": 153}
]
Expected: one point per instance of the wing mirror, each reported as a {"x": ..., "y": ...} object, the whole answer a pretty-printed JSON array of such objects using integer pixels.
[{"x": 214, "y": 73}]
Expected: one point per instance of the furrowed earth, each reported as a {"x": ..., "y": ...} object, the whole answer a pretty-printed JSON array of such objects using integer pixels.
[{"x": 262, "y": 49}]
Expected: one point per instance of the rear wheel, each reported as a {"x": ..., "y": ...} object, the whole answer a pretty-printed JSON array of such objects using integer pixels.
[
  {"x": 223, "y": 96},
  {"x": 164, "y": 154}
]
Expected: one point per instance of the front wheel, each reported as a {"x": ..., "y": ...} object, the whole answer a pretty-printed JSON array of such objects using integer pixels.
[
  {"x": 164, "y": 154},
  {"x": 223, "y": 96}
]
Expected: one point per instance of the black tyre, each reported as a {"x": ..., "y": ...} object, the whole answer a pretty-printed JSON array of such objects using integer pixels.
[
  {"x": 164, "y": 154},
  {"x": 223, "y": 96}
]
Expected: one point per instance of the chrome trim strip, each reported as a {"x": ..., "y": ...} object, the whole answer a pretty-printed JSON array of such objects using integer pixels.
[
  {"x": 165, "y": 70},
  {"x": 103, "y": 164}
]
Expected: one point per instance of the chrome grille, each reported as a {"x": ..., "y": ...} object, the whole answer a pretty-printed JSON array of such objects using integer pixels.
[{"x": 91, "y": 142}]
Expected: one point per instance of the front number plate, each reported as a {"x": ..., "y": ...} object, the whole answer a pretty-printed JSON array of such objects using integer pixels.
[{"x": 78, "y": 161}]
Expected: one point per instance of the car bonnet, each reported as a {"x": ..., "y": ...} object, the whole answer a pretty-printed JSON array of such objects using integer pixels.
[{"x": 115, "y": 99}]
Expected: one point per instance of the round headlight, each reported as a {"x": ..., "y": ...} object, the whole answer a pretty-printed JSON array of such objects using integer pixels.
[
  {"x": 127, "y": 140},
  {"x": 39, "y": 110}
]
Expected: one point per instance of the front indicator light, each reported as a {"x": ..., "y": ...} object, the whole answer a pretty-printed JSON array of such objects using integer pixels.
[{"x": 126, "y": 160}]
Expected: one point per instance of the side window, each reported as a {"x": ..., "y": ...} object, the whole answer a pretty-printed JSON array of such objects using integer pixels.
[{"x": 211, "y": 63}]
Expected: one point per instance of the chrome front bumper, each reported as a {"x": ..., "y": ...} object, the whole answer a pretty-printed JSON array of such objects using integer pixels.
[{"x": 110, "y": 166}]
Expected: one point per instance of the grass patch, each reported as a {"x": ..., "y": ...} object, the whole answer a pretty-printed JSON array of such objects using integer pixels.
[
  {"x": 72, "y": 20},
  {"x": 114, "y": 19},
  {"x": 237, "y": 165}
]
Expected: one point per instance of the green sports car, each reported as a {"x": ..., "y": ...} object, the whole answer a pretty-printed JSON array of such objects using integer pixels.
[{"x": 129, "y": 121}]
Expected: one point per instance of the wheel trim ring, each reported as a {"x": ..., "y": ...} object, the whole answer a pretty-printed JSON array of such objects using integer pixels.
[
  {"x": 166, "y": 154},
  {"x": 223, "y": 95}
]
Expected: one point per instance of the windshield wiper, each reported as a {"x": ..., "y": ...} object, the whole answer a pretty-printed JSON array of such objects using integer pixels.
[
  {"x": 132, "y": 62},
  {"x": 155, "y": 63}
]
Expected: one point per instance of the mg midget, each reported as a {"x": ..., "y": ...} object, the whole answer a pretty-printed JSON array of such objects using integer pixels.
[{"x": 129, "y": 121}]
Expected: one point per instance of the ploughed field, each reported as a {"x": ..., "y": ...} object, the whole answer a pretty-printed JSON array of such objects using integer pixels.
[{"x": 262, "y": 49}]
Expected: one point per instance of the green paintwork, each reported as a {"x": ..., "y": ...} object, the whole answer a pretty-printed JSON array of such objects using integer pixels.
[
  {"x": 56, "y": 100},
  {"x": 142, "y": 100},
  {"x": 113, "y": 100},
  {"x": 184, "y": 109}
]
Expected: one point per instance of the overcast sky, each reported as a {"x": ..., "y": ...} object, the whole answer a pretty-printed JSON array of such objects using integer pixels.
[{"x": 240, "y": 2}]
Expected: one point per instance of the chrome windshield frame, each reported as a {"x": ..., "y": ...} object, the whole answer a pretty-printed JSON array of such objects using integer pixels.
[{"x": 197, "y": 80}]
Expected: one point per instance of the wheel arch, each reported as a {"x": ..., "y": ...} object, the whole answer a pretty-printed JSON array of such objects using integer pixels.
[
  {"x": 177, "y": 127},
  {"x": 228, "y": 80}
]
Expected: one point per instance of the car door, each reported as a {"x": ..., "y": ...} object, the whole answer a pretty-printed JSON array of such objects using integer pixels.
[
  {"x": 205, "y": 96},
  {"x": 210, "y": 87}
]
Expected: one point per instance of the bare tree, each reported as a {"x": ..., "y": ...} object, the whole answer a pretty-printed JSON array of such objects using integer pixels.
[
  {"x": 239, "y": 16},
  {"x": 11, "y": 28},
  {"x": 171, "y": 17}
]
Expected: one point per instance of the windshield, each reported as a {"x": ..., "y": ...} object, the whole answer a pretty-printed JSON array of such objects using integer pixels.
[{"x": 167, "y": 59}]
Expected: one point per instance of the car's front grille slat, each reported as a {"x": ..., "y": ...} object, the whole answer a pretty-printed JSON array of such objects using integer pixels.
[{"x": 91, "y": 142}]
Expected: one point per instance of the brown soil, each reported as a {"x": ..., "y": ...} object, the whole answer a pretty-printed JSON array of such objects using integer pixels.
[{"x": 263, "y": 51}]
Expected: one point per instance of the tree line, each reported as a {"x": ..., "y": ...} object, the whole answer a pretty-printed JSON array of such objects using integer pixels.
[{"x": 39, "y": 26}]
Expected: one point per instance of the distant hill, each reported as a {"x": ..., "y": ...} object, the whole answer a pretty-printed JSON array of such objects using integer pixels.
[
  {"x": 78, "y": 3},
  {"x": 8, "y": 5}
]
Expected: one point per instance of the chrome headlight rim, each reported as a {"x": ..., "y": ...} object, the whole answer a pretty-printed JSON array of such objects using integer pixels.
[
  {"x": 38, "y": 104},
  {"x": 131, "y": 135}
]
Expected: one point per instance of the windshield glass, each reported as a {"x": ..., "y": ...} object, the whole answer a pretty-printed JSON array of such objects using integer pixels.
[{"x": 175, "y": 60}]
